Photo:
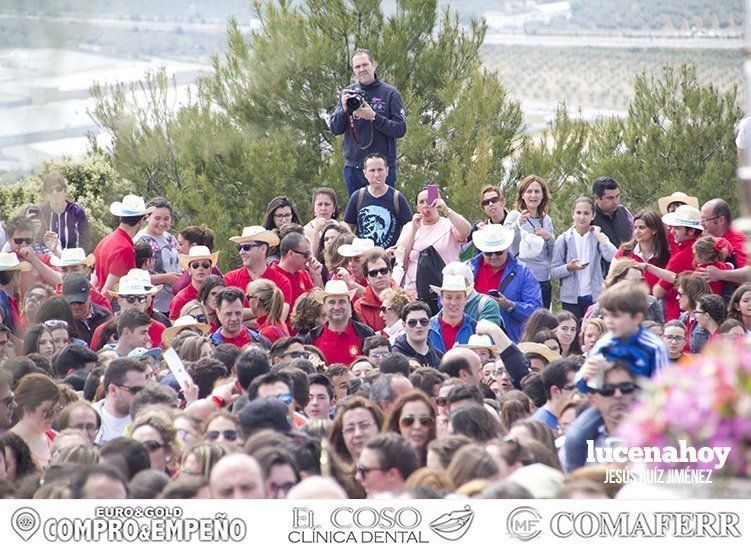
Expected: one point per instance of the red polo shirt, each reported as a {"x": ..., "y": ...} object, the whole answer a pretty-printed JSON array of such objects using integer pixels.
[
  {"x": 487, "y": 279},
  {"x": 681, "y": 260},
  {"x": 738, "y": 241},
  {"x": 115, "y": 254},
  {"x": 271, "y": 332},
  {"x": 240, "y": 340},
  {"x": 341, "y": 347},
  {"x": 300, "y": 282},
  {"x": 449, "y": 332},
  {"x": 155, "y": 333},
  {"x": 180, "y": 300},
  {"x": 240, "y": 278}
]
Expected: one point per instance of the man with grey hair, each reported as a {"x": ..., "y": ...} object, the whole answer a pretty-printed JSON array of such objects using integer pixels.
[
  {"x": 237, "y": 476},
  {"x": 386, "y": 388},
  {"x": 478, "y": 306}
]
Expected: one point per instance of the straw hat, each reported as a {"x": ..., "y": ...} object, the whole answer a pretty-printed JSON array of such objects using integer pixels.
[
  {"x": 131, "y": 206},
  {"x": 182, "y": 323},
  {"x": 678, "y": 196},
  {"x": 198, "y": 253},
  {"x": 357, "y": 247},
  {"x": 72, "y": 256},
  {"x": 135, "y": 282},
  {"x": 256, "y": 233},
  {"x": 336, "y": 288},
  {"x": 684, "y": 216},
  {"x": 9, "y": 261},
  {"x": 480, "y": 341},
  {"x": 493, "y": 238},
  {"x": 533, "y": 348},
  {"x": 452, "y": 282}
]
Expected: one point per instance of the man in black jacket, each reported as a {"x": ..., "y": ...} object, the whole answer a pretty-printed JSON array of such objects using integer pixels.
[
  {"x": 415, "y": 344},
  {"x": 373, "y": 127}
]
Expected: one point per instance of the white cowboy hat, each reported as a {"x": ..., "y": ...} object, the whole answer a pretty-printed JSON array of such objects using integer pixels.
[
  {"x": 256, "y": 233},
  {"x": 480, "y": 341},
  {"x": 541, "y": 350},
  {"x": 678, "y": 196},
  {"x": 684, "y": 216},
  {"x": 336, "y": 288},
  {"x": 198, "y": 253},
  {"x": 453, "y": 282},
  {"x": 131, "y": 206},
  {"x": 531, "y": 245},
  {"x": 9, "y": 261},
  {"x": 182, "y": 323},
  {"x": 493, "y": 238},
  {"x": 135, "y": 282},
  {"x": 72, "y": 256},
  {"x": 357, "y": 247}
]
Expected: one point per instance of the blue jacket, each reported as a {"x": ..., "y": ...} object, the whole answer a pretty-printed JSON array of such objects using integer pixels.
[
  {"x": 389, "y": 124},
  {"x": 523, "y": 290},
  {"x": 466, "y": 330}
]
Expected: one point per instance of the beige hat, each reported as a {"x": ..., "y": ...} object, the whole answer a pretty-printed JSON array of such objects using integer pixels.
[
  {"x": 533, "y": 348},
  {"x": 135, "y": 282},
  {"x": 337, "y": 288},
  {"x": 9, "y": 261},
  {"x": 480, "y": 341},
  {"x": 678, "y": 196},
  {"x": 684, "y": 216},
  {"x": 540, "y": 480},
  {"x": 131, "y": 206},
  {"x": 198, "y": 253},
  {"x": 357, "y": 247},
  {"x": 182, "y": 323},
  {"x": 493, "y": 238},
  {"x": 72, "y": 256},
  {"x": 453, "y": 282},
  {"x": 256, "y": 233}
]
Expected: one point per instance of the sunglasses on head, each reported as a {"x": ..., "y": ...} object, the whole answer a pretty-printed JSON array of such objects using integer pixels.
[
  {"x": 381, "y": 271},
  {"x": 203, "y": 264},
  {"x": 132, "y": 299},
  {"x": 248, "y": 247},
  {"x": 228, "y": 435},
  {"x": 27, "y": 241},
  {"x": 423, "y": 321},
  {"x": 409, "y": 421},
  {"x": 152, "y": 445},
  {"x": 55, "y": 323},
  {"x": 491, "y": 200},
  {"x": 625, "y": 389}
]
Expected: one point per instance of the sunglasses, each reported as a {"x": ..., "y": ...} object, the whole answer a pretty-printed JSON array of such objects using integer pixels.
[
  {"x": 55, "y": 323},
  {"x": 200, "y": 318},
  {"x": 152, "y": 445},
  {"x": 381, "y": 271},
  {"x": 228, "y": 435},
  {"x": 248, "y": 247},
  {"x": 625, "y": 388},
  {"x": 132, "y": 389},
  {"x": 303, "y": 253},
  {"x": 203, "y": 264},
  {"x": 296, "y": 354},
  {"x": 493, "y": 253},
  {"x": 286, "y": 398},
  {"x": 385, "y": 309},
  {"x": 491, "y": 200},
  {"x": 51, "y": 412},
  {"x": 423, "y": 321},
  {"x": 132, "y": 299},
  {"x": 19, "y": 241},
  {"x": 409, "y": 421}
]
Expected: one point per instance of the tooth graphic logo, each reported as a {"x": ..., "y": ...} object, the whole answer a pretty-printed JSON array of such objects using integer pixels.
[
  {"x": 454, "y": 525},
  {"x": 25, "y": 522}
]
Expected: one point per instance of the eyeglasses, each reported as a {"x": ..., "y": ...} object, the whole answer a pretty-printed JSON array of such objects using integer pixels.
[
  {"x": 285, "y": 487},
  {"x": 423, "y": 321},
  {"x": 569, "y": 387},
  {"x": 491, "y": 200},
  {"x": 8, "y": 401},
  {"x": 248, "y": 247},
  {"x": 228, "y": 435},
  {"x": 363, "y": 426},
  {"x": 673, "y": 338},
  {"x": 707, "y": 220},
  {"x": 409, "y": 421},
  {"x": 381, "y": 271},
  {"x": 493, "y": 253},
  {"x": 385, "y": 309},
  {"x": 152, "y": 445},
  {"x": 625, "y": 388},
  {"x": 132, "y": 389},
  {"x": 19, "y": 241},
  {"x": 51, "y": 412},
  {"x": 90, "y": 427},
  {"x": 55, "y": 324},
  {"x": 203, "y": 264},
  {"x": 132, "y": 299},
  {"x": 379, "y": 354},
  {"x": 363, "y": 471},
  {"x": 282, "y": 216},
  {"x": 441, "y": 401},
  {"x": 303, "y": 253},
  {"x": 201, "y": 318},
  {"x": 286, "y": 398}
]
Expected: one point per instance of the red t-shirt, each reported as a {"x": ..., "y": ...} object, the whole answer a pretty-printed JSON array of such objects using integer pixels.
[
  {"x": 115, "y": 254},
  {"x": 240, "y": 278},
  {"x": 716, "y": 286},
  {"x": 738, "y": 241},
  {"x": 681, "y": 260},
  {"x": 449, "y": 332},
  {"x": 240, "y": 340},
  {"x": 300, "y": 282},
  {"x": 271, "y": 332},
  {"x": 650, "y": 278},
  {"x": 487, "y": 279},
  {"x": 155, "y": 333},
  {"x": 341, "y": 347},
  {"x": 180, "y": 300}
]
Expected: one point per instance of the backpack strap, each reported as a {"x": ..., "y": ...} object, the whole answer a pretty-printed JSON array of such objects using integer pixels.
[
  {"x": 360, "y": 196},
  {"x": 396, "y": 204}
]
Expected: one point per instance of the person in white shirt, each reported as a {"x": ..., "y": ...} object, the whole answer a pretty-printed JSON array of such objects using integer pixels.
[{"x": 122, "y": 380}]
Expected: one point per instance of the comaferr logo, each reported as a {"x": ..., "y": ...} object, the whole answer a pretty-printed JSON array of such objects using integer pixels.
[{"x": 454, "y": 525}]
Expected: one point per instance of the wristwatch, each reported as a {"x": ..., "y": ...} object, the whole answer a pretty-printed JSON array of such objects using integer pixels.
[{"x": 512, "y": 307}]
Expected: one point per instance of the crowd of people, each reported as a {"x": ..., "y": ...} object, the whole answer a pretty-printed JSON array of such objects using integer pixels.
[{"x": 381, "y": 348}]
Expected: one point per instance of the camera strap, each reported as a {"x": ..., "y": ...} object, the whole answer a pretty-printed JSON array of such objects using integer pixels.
[{"x": 353, "y": 132}]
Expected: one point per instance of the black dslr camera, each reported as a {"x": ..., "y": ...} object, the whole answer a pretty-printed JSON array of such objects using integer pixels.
[{"x": 356, "y": 99}]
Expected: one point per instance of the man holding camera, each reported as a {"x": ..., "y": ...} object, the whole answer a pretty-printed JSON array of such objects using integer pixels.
[{"x": 371, "y": 116}]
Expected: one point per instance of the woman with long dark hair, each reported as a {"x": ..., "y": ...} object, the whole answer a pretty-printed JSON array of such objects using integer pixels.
[{"x": 649, "y": 244}]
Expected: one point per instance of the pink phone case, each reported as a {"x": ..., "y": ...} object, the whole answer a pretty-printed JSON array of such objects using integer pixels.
[{"x": 432, "y": 194}]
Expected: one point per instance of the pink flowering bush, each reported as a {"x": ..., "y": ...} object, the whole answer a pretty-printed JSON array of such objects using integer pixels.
[{"x": 707, "y": 404}]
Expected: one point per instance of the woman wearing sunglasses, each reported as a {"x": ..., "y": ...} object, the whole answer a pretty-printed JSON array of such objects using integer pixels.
[
  {"x": 413, "y": 416},
  {"x": 38, "y": 403},
  {"x": 223, "y": 428},
  {"x": 154, "y": 429},
  {"x": 199, "y": 263}
]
